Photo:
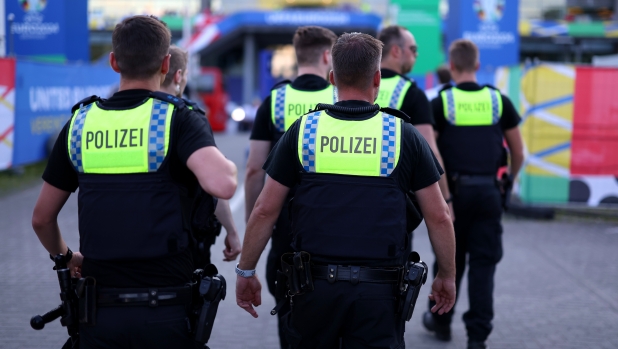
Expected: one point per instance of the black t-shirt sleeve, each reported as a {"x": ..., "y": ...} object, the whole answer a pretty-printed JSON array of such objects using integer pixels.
[
  {"x": 438, "y": 114},
  {"x": 191, "y": 132},
  {"x": 426, "y": 169},
  {"x": 416, "y": 105},
  {"x": 282, "y": 164},
  {"x": 262, "y": 130},
  {"x": 59, "y": 171},
  {"x": 510, "y": 117}
]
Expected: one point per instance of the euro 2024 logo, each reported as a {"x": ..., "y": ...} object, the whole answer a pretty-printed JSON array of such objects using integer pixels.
[
  {"x": 33, "y": 5},
  {"x": 489, "y": 10}
]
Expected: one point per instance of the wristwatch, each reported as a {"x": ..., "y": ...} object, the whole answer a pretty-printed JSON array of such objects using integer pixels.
[
  {"x": 67, "y": 257},
  {"x": 245, "y": 273}
]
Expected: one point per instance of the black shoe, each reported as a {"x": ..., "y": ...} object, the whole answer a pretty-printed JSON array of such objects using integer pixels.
[
  {"x": 477, "y": 345},
  {"x": 443, "y": 333}
]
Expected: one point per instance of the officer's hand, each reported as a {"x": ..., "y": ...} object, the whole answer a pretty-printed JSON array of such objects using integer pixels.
[
  {"x": 248, "y": 293},
  {"x": 443, "y": 293},
  {"x": 75, "y": 264},
  {"x": 232, "y": 247}
]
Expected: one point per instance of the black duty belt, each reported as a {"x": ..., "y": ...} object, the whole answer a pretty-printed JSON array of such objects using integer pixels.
[
  {"x": 152, "y": 297},
  {"x": 334, "y": 273},
  {"x": 468, "y": 180}
]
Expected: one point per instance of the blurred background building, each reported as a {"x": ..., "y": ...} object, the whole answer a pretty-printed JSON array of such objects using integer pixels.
[{"x": 545, "y": 54}]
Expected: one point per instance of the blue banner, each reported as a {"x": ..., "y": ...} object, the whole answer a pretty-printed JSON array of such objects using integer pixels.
[
  {"x": 45, "y": 94},
  {"x": 491, "y": 25},
  {"x": 56, "y": 30}
]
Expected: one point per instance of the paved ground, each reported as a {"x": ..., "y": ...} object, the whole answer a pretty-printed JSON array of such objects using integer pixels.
[{"x": 555, "y": 287}]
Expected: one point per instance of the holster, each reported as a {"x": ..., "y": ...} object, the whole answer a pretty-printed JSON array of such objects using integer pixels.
[
  {"x": 414, "y": 276},
  {"x": 209, "y": 288},
  {"x": 294, "y": 278},
  {"x": 87, "y": 296},
  {"x": 297, "y": 268}
]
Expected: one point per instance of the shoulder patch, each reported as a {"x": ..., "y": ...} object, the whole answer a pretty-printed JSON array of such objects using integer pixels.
[
  {"x": 166, "y": 97},
  {"x": 280, "y": 84},
  {"x": 86, "y": 101}
]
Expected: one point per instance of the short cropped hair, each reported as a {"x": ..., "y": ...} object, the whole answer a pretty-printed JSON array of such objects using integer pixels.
[
  {"x": 444, "y": 74},
  {"x": 464, "y": 55},
  {"x": 309, "y": 43},
  {"x": 178, "y": 61},
  {"x": 140, "y": 43},
  {"x": 356, "y": 58},
  {"x": 391, "y": 36}
]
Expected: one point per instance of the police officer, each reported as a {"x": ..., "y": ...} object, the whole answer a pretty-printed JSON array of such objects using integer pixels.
[
  {"x": 287, "y": 103},
  {"x": 174, "y": 84},
  {"x": 353, "y": 166},
  {"x": 399, "y": 92},
  {"x": 134, "y": 157},
  {"x": 471, "y": 122}
]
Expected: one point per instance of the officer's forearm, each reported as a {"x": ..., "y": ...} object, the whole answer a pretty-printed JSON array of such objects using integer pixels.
[
  {"x": 426, "y": 130},
  {"x": 517, "y": 159},
  {"x": 259, "y": 230},
  {"x": 254, "y": 183},
  {"x": 442, "y": 238},
  {"x": 260, "y": 225},
  {"x": 45, "y": 218},
  {"x": 224, "y": 215},
  {"x": 50, "y": 237}
]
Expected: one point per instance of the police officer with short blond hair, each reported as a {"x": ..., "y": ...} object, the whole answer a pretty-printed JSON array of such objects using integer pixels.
[{"x": 353, "y": 166}]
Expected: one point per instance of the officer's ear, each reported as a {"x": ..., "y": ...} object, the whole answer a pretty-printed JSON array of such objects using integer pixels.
[
  {"x": 113, "y": 62},
  {"x": 377, "y": 77},
  {"x": 165, "y": 65},
  {"x": 477, "y": 66},
  {"x": 178, "y": 76},
  {"x": 331, "y": 78}
]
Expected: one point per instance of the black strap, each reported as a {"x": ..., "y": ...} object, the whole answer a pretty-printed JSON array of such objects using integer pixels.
[
  {"x": 86, "y": 101},
  {"x": 363, "y": 110},
  {"x": 355, "y": 275},
  {"x": 146, "y": 297},
  {"x": 166, "y": 97}
]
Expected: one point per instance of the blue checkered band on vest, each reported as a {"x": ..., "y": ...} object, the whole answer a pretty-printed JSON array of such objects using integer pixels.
[
  {"x": 495, "y": 106},
  {"x": 450, "y": 107},
  {"x": 397, "y": 93},
  {"x": 280, "y": 109},
  {"x": 76, "y": 138},
  {"x": 309, "y": 135},
  {"x": 156, "y": 135},
  {"x": 389, "y": 139}
]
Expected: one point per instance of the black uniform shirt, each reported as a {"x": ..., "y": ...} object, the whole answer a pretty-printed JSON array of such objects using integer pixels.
[
  {"x": 263, "y": 127},
  {"x": 189, "y": 132},
  {"x": 417, "y": 165},
  {"x": 509, "y": 119},
  {"x": 415, "y": 102}
]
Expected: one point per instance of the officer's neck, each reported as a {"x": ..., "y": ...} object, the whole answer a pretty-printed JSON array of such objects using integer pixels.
[
  {"x": 355, "y": 95},
  {"x": 152, "y": 84},
  {"x": 391, "y": 65},
  {"x": 461, "y": 77},
  {"x": 312, "y": 70}
]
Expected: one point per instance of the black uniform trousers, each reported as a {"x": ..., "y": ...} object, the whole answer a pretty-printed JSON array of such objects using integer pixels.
[
  {"x": 342, "y": 315},
  {"x": 161, "y": 327},
  {"x": 281, "y": 243},
  {"x": 478, "y": 235}
]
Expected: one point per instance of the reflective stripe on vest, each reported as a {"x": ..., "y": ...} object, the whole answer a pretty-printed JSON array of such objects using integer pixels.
[
  {"x": 392, "y": 91},
  {"x": 472, "y": 108},
  {"x": 361, "y": 148},
  {"x": 120, "y": 141},
  {"x": 288, "y": 104}
]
